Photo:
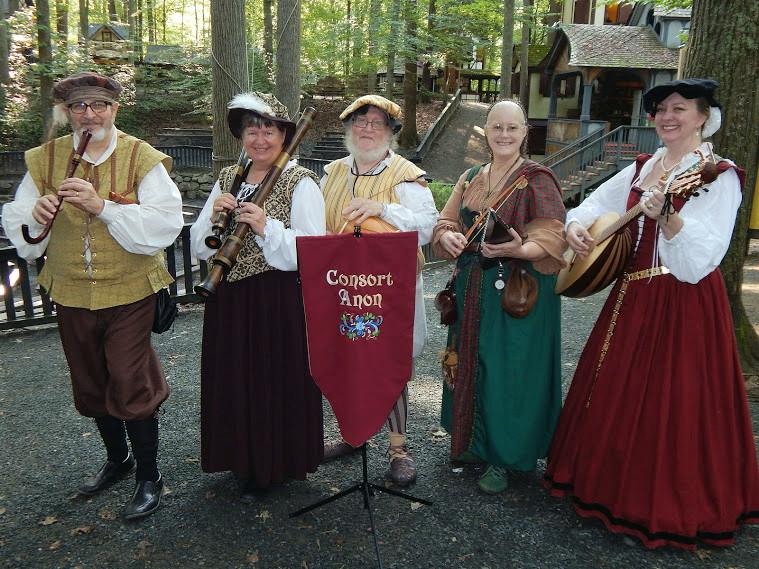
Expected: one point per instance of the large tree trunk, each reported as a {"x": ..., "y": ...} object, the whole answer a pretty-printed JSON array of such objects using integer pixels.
[
  {"x": 408, "y": 137},
  {"x": 287, "y": 86},
  {"x": 62, "y": 22},
  {"x": 347, "y": 60},
  {"x": 507, "y": 49},
  {"x": 45, "y": 50},
  {"x": 113, "y": 14},
  {"x": 152, "y": 36},
  {"x": 132, "y": 21},
  {"x": 5, "y": 46},
  {"x": 524, "y": 55},
  {"x": 424, "y": 95},
  {"x": 268, "y": 33},
  {"x": 84, "y": 23},
  {"x": 229, "y": 75},
  {"x": 727, "y": 50},
  {"x": 374, "y": 20},
  {"x": 392, "y": 41}
]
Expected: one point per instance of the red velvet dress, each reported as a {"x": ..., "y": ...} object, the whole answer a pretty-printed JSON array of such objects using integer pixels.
[{"x": 657, "y": 442}]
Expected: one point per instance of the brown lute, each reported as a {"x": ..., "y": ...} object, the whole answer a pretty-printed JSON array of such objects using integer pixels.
[{"x": 613, "y": 239}]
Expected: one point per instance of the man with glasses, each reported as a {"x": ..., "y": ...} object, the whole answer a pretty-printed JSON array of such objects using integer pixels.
[
  {"x": 104, "y": 265},
  {"x": 374, "y": 181}
]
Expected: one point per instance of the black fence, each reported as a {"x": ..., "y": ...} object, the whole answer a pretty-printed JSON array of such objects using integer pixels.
[{"x": 25, "y": 303}]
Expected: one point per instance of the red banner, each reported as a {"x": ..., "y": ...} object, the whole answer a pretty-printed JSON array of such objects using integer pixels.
[{"x": 358, "y": 294}]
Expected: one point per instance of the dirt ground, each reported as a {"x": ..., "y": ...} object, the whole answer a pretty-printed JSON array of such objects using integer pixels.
[{"x": 46, "y": 449}]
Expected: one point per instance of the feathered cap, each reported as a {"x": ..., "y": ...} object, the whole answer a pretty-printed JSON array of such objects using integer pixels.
[
  {"x": 689, "y": 89},
  {"x": 86, "y": 86},
  {"x": 262, "y": 104},
  {"x": 392, "y": 110}
]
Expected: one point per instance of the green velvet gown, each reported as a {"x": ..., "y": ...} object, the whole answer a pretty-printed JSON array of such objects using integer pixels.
[{"x": 509, "y": 369}]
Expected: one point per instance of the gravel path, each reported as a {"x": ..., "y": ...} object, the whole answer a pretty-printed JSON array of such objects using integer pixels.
[{"x": 46, "y": 449}]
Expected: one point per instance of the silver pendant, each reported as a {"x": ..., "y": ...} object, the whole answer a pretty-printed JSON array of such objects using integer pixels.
[{"x": 499, "y": 284}]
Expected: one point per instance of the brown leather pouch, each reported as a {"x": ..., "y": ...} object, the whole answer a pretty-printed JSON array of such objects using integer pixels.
[
  {"x": 520, "y": 292},
  {"x": 445, "y": 302}
]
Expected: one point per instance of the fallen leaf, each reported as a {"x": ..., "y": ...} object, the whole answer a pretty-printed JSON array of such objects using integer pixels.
[
  {"x": 166, "y": 490},
  {"x": 304, "y": 564},
  {"x": 415, "y": 505},
  {"x": 703, "y": 555},
  {"x": 210, "y": 495},
  {"x": 454, "y": 540},
  {"x": 81, "y": 530},
  {"x": 142, "y": 549},
  {"x": 87, "y": 434},
  {"x": 47, "y": 520},
  {"x": 194, "y": 460},
  {"x": 458, "y": 470},
  {"x": 439, "y": 434},
  {"x": 264, "y": 515},
  {"x": 107, "y": 515},
  {"x": 2, "y": 511},
  {"x": 334, "y": 489},
  {"x": 253, "y": 557},
  {"x": 55, "y": 545}
]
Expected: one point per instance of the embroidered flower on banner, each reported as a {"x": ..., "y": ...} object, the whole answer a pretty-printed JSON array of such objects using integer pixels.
[{"x": 355, "y": 326}]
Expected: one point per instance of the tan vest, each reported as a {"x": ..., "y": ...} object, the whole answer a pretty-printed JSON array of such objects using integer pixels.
[
  {"x": 278, "y": 205},
  {"x": 339, "y": 189},
  {"x": 109, "y": 276}
]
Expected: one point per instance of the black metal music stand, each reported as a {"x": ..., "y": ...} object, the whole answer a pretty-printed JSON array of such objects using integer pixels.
[{"x": 367, "y": 489}]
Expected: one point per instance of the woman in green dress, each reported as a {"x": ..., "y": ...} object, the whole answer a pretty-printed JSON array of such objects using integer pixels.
[{"x": 502, "y": 399}]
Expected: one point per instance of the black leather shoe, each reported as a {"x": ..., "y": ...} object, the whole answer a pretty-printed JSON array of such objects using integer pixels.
[
  {"x": 110, "y": 473},
  {"x": 145, "y": 500}
]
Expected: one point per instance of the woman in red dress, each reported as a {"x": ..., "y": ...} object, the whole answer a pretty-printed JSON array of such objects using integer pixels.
[{"x": 655, "y": 436}]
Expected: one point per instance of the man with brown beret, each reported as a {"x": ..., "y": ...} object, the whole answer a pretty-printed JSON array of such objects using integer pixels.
[
  {"x": 104, "y": 265},
  {"x": 375, "y": 182}
]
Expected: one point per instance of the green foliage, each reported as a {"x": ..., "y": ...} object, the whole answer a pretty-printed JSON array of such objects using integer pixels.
[{"x": 441, "y": 192}]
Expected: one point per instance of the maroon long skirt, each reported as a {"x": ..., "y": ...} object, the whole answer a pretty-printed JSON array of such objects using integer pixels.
[
  {"x": 659, "y": 444},
  {"x": 261, "y": 412}
]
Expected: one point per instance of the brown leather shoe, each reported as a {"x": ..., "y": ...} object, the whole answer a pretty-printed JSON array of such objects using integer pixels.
[
  {"x": 336, "y": 449},
  {"x": 402, "y": 471}
]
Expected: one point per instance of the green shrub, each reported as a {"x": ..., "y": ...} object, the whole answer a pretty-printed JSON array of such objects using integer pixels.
[{"x": 441, "y": 192}]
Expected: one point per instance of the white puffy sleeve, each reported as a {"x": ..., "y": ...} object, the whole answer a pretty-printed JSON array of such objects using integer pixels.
[{"x": 708, "y": 221}]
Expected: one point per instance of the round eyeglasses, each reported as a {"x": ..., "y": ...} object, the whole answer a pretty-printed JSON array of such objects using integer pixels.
[
  {"x": 81, "y": 107},
  {"x": 363, "y": 123}
]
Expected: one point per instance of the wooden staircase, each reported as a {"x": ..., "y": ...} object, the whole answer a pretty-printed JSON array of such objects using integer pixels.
[
  {"x": 330, "y": 146},
  {"x": 593, "y": 159}
]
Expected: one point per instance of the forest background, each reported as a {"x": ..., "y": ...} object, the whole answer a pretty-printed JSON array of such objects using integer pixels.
[{"x": 349, "y": 40}]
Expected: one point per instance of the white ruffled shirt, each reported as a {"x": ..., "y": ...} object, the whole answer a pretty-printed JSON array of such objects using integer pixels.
[
  {"x": 144, "y": 228},
  {"x": 278, "y": 243},
  {"x": 708, "y": 219}
]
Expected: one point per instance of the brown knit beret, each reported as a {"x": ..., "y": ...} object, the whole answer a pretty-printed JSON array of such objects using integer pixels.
[{"x": 86, "y": 86}]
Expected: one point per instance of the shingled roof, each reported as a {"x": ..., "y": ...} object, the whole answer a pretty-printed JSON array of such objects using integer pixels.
[{"x": 617, "y": 46}]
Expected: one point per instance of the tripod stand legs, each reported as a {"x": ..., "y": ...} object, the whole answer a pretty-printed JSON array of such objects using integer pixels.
[{"x": 367, "y": 489}]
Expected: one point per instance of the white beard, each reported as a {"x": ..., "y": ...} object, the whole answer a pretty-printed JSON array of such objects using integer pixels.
[{"x": 366, "y": 156}]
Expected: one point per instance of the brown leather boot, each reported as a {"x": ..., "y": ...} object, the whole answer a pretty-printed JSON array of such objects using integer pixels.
[
  {"x": 402, "y": 471},
  {"x": 336, "y": 449}
]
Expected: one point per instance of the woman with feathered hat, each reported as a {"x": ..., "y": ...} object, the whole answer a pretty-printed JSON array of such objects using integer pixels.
[{"x": 261, "y": 413}]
